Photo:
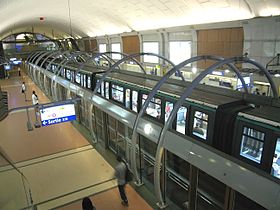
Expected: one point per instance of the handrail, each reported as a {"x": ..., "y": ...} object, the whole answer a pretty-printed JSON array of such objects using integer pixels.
[{"x": 5, "y": 156}]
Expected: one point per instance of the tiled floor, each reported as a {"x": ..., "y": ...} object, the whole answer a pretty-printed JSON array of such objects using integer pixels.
[
  {"x": 59, "y": 163},
  {"x": 110, "y": 200}
]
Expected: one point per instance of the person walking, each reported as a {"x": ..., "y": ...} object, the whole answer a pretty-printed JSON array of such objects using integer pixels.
[
  {"x": 34, "y": 97},
  {"x": 120, "y": 173},
  {"x": 35, "y": 101},
  {"x": 23, "y": 90}
]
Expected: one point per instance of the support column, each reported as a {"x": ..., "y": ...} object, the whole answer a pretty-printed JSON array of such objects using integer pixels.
[
  {"x": 229, "y": 199},
  {"x": 193, "y": 187}
]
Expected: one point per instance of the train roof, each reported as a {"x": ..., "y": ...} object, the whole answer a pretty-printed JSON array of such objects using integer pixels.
[
  {"x": 265, "y": 112},
  {"x": 175, "y": 88}
]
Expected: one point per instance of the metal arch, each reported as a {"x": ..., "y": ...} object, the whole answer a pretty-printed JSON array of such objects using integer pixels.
[
  {"x": 39, "y": 70},
  {"x": 64, "y": 62},
  {"x": 55, "y": 70},
  {"x": 37, "y": 55},
  {"x": 107, "y": 58},
  {"x": 135, "y": 60},
  {"x": 83, "y": 58},
  {"x": 172, "y": 115},
  {"x": 30, "y": 56},
  {"x": 50, "y": 55},
  {"x": 153, "y": 93},
  {"x": 60, "y": 54},
  {"x": 33, "y": 59},
  {"x": 55, "y": 57},
  {"x": 98, "y": 84},
  {"x": 267, "y": 74},
  {"x": 62, "y": 65},
  {"x": 126, "y": 58}
]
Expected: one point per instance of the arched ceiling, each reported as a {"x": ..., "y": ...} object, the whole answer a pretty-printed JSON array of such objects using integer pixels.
[{"x": 83, "y": 18}]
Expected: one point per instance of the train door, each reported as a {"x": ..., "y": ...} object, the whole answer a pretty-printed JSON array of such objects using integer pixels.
[
  {"x": 41, "y": 80},
  {"x": 99, "y": 126},
  {"x": 48, "y": 87},
  {"x": 177, "y": 175},
  {"x": 77, "y": 107},
  {"x": 84, "y": 112},
  {"x": 253, "y": 144},
  {"x": 117, "y": 137},
  {"x": 63, "y": 93}
]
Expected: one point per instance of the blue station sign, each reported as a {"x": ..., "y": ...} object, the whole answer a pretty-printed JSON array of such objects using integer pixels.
[{"x": 57, "y": 114}]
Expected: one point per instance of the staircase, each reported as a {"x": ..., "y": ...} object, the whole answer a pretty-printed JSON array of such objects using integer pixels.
[{"x": 3, "y": 104}]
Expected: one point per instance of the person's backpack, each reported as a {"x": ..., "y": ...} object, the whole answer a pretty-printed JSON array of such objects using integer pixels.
[{"x": 128, "y": 174}]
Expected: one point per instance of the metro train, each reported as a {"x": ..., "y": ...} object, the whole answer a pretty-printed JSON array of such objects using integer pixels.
[{"x": 242, "y": 125}]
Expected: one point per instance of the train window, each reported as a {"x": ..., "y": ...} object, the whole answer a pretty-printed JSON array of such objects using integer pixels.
[
  {"x": 78, "y": 78},
  {"x": 134, "y": 101},
  {"x": 82, "y": 80},
  {"x": 127, "y": 98},
  {"x": 181, "y": 120},
  {"x": 89, "y": 82},
  {"x": 117, "y": 93},
  {"x": 168, "y": 109},
  {"x": 98, "y": 90},
  {"x": 63, "y": 73},
  {"x": 72, "y": 76},
  {"x": 275, "y": 169},
  {"x": 200, "y": 125},
  {"x": 68, "y": 74},
  {"x": 252, "y": 144},
  {"x": 154, "y": 107},
  {"x": 107, "y": 90},
  {"x": 85, "y": 80},
  {"x": 53, "y": 68},
  {"x": 102, "y": 89}
]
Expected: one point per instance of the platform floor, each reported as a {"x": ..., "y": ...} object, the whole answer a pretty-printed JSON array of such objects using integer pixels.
[{"x": 59, "y": 163}]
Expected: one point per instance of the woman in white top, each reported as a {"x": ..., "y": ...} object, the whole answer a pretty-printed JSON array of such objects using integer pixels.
[
  {"x": 34, "y": 98},
  {"x": 23, "y": 88}
]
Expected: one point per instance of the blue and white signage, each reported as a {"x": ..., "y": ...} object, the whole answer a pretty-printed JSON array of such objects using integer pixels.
[
  {"x": 247, "y": 81},
  {"x": 57, "y": 114}
]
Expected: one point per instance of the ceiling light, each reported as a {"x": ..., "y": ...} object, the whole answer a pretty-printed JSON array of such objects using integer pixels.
[
  {"x": 277, "y": 75},
  {"x": 227, "y": 71}
]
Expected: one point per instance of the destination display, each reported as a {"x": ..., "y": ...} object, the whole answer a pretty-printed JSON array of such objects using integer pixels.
[{"x": 57, "y": 114}]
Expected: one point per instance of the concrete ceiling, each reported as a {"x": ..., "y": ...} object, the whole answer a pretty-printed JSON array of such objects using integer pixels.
[{"x": 82, "y": 18}]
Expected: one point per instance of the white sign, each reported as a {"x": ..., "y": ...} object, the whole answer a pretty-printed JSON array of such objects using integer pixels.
[{"x": 57, "y": 114}]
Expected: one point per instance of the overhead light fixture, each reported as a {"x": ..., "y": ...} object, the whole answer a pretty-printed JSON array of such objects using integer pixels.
[
  {"x": 277, "y": 75},
  {"x": 227, "y": 71}
]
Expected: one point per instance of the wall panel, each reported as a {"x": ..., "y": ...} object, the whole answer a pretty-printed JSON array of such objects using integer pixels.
[
  {"x": 131, "y": 44},
  {"x": 227, "y": 42}
]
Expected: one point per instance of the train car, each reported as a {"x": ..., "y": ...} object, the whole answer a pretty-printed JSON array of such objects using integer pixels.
[{"x": 244, "y": 126}]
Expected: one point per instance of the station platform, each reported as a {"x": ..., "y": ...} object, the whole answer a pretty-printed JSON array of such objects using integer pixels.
[{"x": 59, "y": 163}]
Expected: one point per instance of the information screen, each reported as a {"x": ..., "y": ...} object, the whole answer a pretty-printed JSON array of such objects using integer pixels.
[
  {"x": 57, "y": 114},
  {"x": 247, "y": 81}
]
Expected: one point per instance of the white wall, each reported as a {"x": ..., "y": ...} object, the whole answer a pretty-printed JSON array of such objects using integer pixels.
[{"x": 262, "y": 38}]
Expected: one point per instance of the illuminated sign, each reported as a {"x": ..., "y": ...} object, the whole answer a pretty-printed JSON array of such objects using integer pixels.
[
  {"x": 7, "y": 67},
  {"x": 17, "y": 62},
  {"x": 247, "y": 81},
  {"x": 219, "y": 73},
  {"x": 57, "y": 114}
]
